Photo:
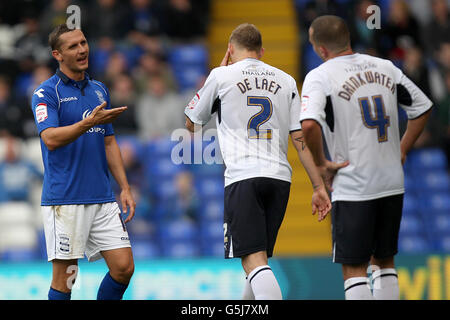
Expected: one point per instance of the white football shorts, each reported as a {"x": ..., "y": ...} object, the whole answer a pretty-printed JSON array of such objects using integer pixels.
[{"x": 71, "y": 231}]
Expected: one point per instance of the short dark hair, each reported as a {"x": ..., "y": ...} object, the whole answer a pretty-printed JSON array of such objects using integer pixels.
[
  {"x": 53, "y": 38},
  {"x": 331, "y": 32},
  {"x": 247, "y": 36}
]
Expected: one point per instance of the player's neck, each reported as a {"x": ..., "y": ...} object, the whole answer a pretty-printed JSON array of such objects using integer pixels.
[
  {"x": 245, "y": 55},
  {"x": 74, "y": 75},
  {"x": 346, "y": 52}
]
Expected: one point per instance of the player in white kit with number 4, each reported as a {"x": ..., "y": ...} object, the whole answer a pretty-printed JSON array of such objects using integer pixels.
[{"x": 353, "y": 98}]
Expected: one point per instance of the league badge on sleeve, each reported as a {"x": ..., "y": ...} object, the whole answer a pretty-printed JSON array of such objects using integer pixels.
[
  {"x": 305, "y": 100},
  {"x": 194, "y": 101},
  {"x": 41, "y": 112}
]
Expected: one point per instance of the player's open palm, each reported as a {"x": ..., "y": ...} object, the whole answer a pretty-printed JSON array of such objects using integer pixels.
[
  {"x": 100, "y": 115},
  {"x": 320, "y": 203}
]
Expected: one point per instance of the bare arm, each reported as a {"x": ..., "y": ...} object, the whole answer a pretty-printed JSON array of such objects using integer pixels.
[
  {"x": 115, "y": 164},
  {"x": 57, "y": 137},
  {"x": 313, "y": 138},
  {"x": 306, "y": 159},
  {"x": 320, "y": 201},
  {"x": 414, "y": 129}
]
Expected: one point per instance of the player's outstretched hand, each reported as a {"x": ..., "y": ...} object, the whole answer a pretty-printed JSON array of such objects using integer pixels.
[
  {"x": 101, "y": 116},
  {"x": 127, "y": 201},
  {"x": 329, "y": 170},
  {"x": 320, "y": 202}
]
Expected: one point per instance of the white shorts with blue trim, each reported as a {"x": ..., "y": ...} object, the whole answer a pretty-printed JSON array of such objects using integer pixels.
[{"x": 72, "y": 231}]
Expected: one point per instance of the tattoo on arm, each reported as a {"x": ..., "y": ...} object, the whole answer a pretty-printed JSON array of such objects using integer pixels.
[{"x": 302, "y": 141}]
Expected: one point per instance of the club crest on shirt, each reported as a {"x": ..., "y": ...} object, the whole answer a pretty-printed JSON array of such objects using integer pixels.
[
  {"x": 305, "y": 100},
  {"x": 100, "y": 96}
]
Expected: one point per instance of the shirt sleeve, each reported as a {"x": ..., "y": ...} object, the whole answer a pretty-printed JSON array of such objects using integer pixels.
[
  {"x": 44, "y": 104},
  {"x": 199, "y": 109},
  {"x": 295, "y": 109},
  {"x": 313, "y": 98},
  {"x": 409, "y": 96}
]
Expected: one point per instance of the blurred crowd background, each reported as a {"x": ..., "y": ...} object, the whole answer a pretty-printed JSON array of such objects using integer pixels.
[{"x": 152, "y": 55}]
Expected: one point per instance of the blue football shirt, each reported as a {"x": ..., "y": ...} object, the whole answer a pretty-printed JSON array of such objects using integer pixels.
[{"x": 76, "y": 173}]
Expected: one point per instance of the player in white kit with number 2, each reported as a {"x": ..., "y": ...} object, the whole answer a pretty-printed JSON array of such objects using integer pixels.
[{"x": 257, "y": 108}]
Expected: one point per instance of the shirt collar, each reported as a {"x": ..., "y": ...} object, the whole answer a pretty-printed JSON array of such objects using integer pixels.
[{"x": 65, "y": 79}]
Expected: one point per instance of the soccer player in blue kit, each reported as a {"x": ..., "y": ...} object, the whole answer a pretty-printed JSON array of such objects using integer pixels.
[{"x": 81, "y": 217}]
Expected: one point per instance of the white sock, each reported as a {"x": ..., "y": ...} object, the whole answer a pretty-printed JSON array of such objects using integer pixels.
[
  {"x": 248, "y": 292},
  {"x": 264, "y": 284},
  {"x": 385, "y": 284},
  {"x": 358, "y": 288}
]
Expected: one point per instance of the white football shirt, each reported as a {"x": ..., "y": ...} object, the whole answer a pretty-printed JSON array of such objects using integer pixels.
[
  {"x": 355, "y": 99},
  {"x": 257, "y": 107}
]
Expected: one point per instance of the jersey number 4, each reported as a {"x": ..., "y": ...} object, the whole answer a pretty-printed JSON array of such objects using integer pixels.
[
  {"x": 381, "y": 121},
  {"x": 254, "y": 132}
]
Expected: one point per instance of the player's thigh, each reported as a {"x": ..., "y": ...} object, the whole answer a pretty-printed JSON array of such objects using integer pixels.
[
  {"x": 254, "y": 260},
  {"x": 66, "y": 230},
  {"x": 244, "y": 220},
  {"x": 387, "y": 229},
  {"x": 275, "y": 196},
  {"x": 353, "y": 228},
  {"x": 108, "y": 231}
]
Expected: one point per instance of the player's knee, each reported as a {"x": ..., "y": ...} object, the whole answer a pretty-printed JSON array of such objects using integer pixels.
[{"x": 123, "y": 271}]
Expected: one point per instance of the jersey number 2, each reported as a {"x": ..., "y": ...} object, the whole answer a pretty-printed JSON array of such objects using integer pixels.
[
  {"x": 254, "y": 132},
  {"x": 381, "y": 121}
]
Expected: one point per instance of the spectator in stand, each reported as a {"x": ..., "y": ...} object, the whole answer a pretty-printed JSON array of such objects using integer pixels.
[
  {"x": 123, "y": 94},
  {"x": 185, "y": 19},
  {"x": 400, "y": 33},
  {"x": 415, "y": 69},
  {"x": 116, "y": 66},
  {"x": 158, "y": 109},
  {"x": 438, "y": 30},
  {"x": 362, "y": 37},
  {"x": 11, "y": 121},
  {"x": 144, "y": 17},
  {"x": 443, "y": 118},
  {"x": 31, "y": 45},
  {"x": 16, "y": 174},
  {"x": 53, "y": 15},
  {"x": 107, "y": 18},
  {"x": 184, "y": 204},
  {"x": 151, "y": 65}
]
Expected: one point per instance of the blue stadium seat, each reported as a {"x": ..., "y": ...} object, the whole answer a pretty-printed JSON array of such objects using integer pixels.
[
  {"x": 411, "y": 224},
  {"x": 179, "y": 230},
  {"x": 212, "y": 230},
  {"x": 212, "y": 209},
  {"x": 311, "y": 59},
  {"x": 208, "y": 170},
  {"x": 189, "y": 55},
  {"x": 164, "y": 189},
  {"x": 160, "y": 147},
  {"x": 163, "y": 167},
  {"x": 413, "y": 244},
  {"x": 145, "y": 249},
  {"x": 435, "y": 181},
  {"x": 19, "y": 255},
  {"x": 427, "y": 159},
  {"x": 210, "y": 187},
  {"x": 442, "y": 244},
  {"x": 189, "y": 64},
  {"x": 213, "y": 248},
  {"x": 435, "y": 203},
  {"x": 180, "y": 249},
  {"x": 410, "y": 204},
  {"x": 439, "y": 223}
]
